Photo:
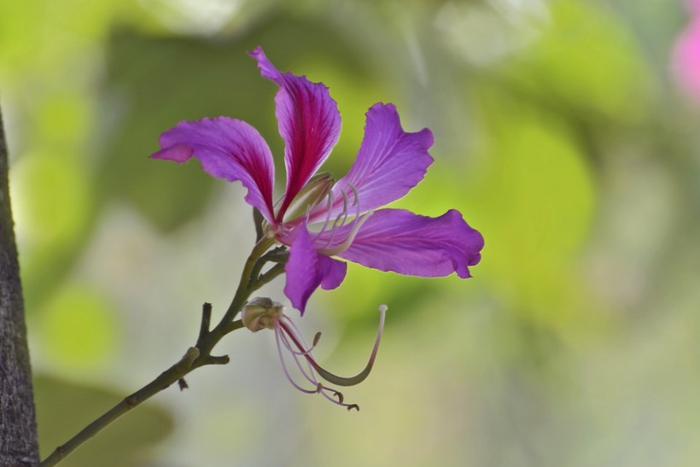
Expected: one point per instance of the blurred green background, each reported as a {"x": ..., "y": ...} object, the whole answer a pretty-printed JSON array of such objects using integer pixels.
[{"x": 559, "y": 134}]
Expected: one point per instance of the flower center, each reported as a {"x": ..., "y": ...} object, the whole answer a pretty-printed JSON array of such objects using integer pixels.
[
  {"x": 328, "y": 235},
  {"x": 309, "y": 197}
]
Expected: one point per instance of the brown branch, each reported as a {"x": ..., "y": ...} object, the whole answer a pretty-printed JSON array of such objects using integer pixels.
[
  {"x": 195, "y": 357},
  {"x": 165, "y": 379}
]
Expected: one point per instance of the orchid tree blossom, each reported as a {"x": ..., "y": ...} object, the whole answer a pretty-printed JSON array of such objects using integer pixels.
[
  {"x": 321, "y": 221},
  {"x": 317, "y": 224}
]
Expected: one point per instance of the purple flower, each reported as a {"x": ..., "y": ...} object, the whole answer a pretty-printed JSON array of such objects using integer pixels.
[{"x": 321, "y": 221}]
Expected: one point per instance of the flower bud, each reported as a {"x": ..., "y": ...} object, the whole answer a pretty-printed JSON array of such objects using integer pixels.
[{"x": 261, "y": 313}]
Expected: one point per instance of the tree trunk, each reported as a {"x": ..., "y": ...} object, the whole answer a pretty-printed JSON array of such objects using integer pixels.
[{"x": 18, "y": 437}]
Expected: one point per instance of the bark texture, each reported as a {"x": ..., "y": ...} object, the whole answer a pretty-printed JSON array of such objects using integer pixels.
[{"x": 18, "y": 436}]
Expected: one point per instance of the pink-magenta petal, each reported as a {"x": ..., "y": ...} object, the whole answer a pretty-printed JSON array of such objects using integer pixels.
[
  {"x": 306, "y": 270},
  {"x": 332, "y": 272},
  {"x": 390, "y": 163},
  {"x": 309, "y": 123},
  {"x": 406, "y": 243},
  {"x": 228, "y": 149}
]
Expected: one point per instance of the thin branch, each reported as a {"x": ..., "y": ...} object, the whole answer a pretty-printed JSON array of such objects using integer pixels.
[
  {"x": 206, "y": 322},
  {"x": 276, "y": 255},
  {"x": 165, "y": 379},
  {"x": 258, "y": 221},
  {"x": 218, "y": 359},
  {"x": 182, "y": 384},
  {"x": 274, "y": 271},
  {"x": 195, "y": 357}
]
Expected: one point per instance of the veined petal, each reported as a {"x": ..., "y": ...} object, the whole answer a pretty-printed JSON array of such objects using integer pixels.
[
  {"x": 309, "y": 123},
  {"x": 400, "y": 241},
  {"x": 390, "y": 163},
  {"x": 228, "y": 149},
  {"x": 306, "y": 269}
]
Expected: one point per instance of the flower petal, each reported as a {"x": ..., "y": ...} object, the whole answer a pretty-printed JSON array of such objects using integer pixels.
[
  {"x": 332, "y": 272},
  {"x": 228, "y": 149},
  {"x": 390, "y": 163},
  {"x": 306, "y": 269},
  {"x": 400, "y": 241},
  {"x": 309, "y": 123}
]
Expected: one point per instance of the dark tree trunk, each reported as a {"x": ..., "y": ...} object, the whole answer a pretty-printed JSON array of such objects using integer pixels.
[{"x": 18, "y": 438}]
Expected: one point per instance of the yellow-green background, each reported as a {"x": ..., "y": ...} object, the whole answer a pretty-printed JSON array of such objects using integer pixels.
[{"x": 559, "y": 135}]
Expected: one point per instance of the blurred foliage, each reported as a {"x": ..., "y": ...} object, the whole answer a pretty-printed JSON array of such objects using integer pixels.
[
  {"x": 586, "y": 63},
  {"x": 558, "y": 135},
  {"x": 79, "y": 329},
  {"x": 64, "y": 408}
]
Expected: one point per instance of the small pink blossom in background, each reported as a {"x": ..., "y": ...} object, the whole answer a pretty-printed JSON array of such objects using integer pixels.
[
  {"x": 694, "y": 6},
  {"x": 686, "y": 55}
]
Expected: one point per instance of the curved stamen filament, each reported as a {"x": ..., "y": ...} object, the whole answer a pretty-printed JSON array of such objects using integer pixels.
[
  {"x": 286, "y": 370},
  {"x": 340, "y": 248},
  {"x": 290, "y": 338},
  {"x": 329, "y": 206},
  {"x": 357, "y": 223},
  {"x": 308, "y": 373},
  {"x": 317, "y": 337},
  {"x": 327, "y": 375},
  {"x": 338, "y": 222},
  {"x": 344, "y": 213},
  {"x": 336, "y": 397},
  {"x": 357, "y": 200}
]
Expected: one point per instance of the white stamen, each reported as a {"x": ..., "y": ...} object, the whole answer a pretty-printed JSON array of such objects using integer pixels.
[
  {"x": 337, "y": 396},
  {"x": 308, "y": 350},
  {"x": 328, "y": 213},
  {"x": 342, "y": 247},
  {"x": 288, "y": 337},
  {"x": 338, "y": 223},
  {"x": 357, "y": 195},
  {"x": 307, "y": 373},
  {"x": 361, "y": 376},
  {"x": 284, "y": 365}
]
